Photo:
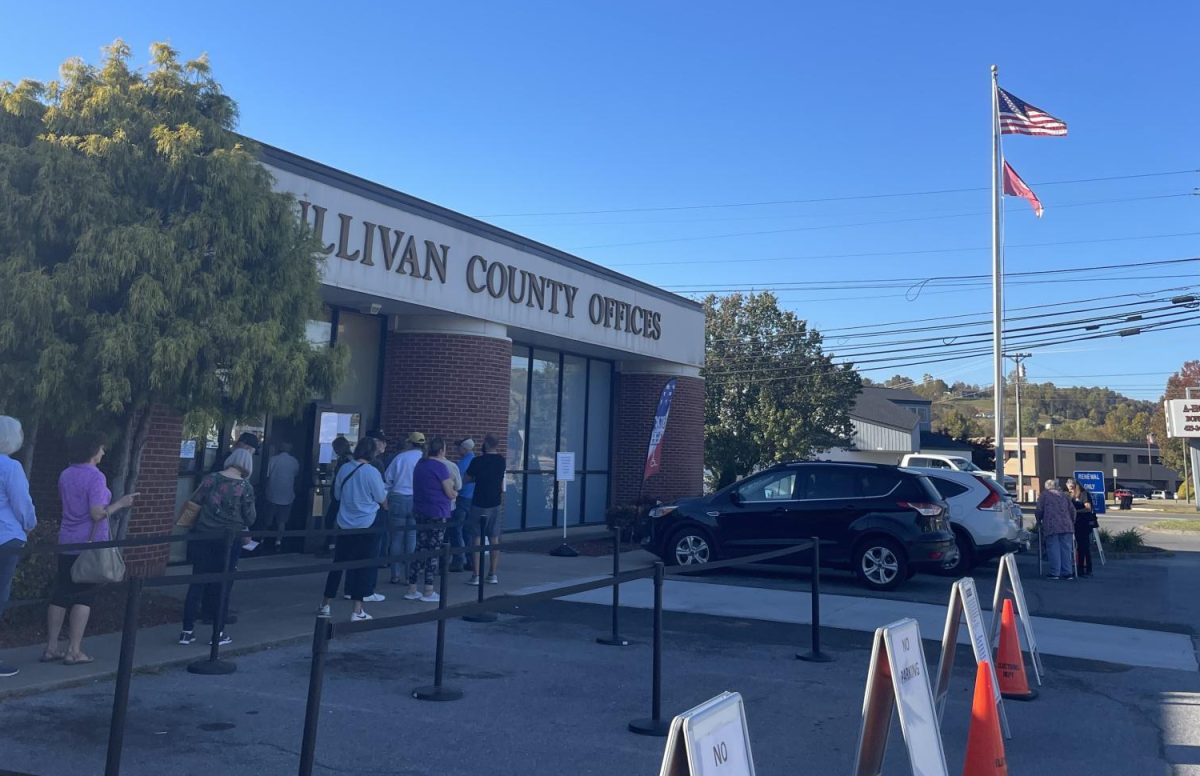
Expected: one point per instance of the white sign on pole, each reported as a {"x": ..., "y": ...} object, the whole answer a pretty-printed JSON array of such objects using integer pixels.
[
  {"x": 711, "y": 739},
  {"x": 1008, "y": 569},
  {"x": 964, "y": 599},
  {"x": 1183, "y": 418},
  {"x": 898, "y": 678},
  {"x": 564, "y": 467}
]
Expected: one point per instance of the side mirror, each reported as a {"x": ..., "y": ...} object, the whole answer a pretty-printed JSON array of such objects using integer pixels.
[{"x": 735, "y": 497}]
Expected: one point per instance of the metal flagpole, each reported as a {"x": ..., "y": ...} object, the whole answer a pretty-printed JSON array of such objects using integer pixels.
[{"x": 997, "y": 289}]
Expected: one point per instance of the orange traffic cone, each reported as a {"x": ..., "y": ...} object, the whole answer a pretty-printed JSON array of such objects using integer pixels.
[
  {"x": 985, "y": 745},
  {"x": 1010, "y": 663}
]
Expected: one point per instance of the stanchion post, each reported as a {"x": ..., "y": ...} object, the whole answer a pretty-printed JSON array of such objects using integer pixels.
[
  {"x": 215, "y": 665},
  {"x": 815, "y": 655},
  {"x": 655, "y": 726},
  {"x": 615, "y": 639},
  {"x": 481, "y": 577},
  {"x": 322, "y": 632},
  {"x": 436, "y": 692},
  {"x": 116, "y": 728}
]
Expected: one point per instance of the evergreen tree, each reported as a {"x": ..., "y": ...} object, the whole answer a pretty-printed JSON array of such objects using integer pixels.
[
  {"x": 771, "y": 394},
  {"x": 145, "y": 257}
]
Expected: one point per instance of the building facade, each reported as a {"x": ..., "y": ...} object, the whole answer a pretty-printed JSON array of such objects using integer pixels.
[
  {"x": 1124, "y": 464},
  {"x": 458, "y": 328}
]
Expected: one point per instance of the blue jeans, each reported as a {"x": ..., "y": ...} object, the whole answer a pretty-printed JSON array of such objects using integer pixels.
[
  {"x": 403, "y": 528},
  {"x": 10, "y": 555},
  {"x": 459, "y": 535},
  {"x": 1058, "y": 551}
]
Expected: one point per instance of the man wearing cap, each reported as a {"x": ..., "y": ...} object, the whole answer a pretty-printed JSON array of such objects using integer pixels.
[{"x": 399, "y": 481}]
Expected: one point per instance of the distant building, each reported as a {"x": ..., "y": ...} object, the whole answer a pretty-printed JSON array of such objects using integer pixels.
[
  {"x": 1135, "y": 466},
  {"x": 890, "y": 423}
]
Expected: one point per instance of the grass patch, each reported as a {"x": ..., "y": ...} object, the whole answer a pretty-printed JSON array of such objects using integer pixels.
[{"x": 1191, "y": 526}]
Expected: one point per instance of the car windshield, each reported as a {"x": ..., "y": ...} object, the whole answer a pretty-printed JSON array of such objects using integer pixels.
[{"x": 962, "y": 464}]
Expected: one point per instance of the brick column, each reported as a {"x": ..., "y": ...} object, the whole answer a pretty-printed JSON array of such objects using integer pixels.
[
  {"x": 158, "y": 477},
  {"x": 637, "y": 390},
  {"x": 446, "y": 376}
]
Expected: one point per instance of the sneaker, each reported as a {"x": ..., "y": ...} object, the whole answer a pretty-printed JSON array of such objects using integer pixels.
[
  {"x": 412, "y": 596},
  {"x": 1068, "y": 576},
  {"x": 323, "y": 611},
  {"x": 374, "y": 598},
  {"x": 359, "y": 616},
  {"x": 346, "y": 596},
  {"x": 1053, "y": 576},
  {"x": 186, "y": 637},
  {"x": 7, "y": 670},
  {"x": 223, "y": 640},
  {"x": 493, "y": 579},
  {"x": 430, "y": 598},
  {"x": 474, "y": 580}
]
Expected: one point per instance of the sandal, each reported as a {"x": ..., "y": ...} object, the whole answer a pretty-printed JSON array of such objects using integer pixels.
[
  {"x": 78, "y": 660},
  {"x": 51, "y": 657}
]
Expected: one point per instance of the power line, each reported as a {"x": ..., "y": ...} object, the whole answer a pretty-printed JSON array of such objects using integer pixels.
[{"x": 846, "y": 198}]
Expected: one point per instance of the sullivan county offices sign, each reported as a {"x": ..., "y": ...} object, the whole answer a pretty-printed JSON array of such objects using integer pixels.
[{"x": 388, "y": 252}]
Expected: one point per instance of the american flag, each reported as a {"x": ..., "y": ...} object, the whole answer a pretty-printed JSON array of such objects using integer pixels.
[{"x": 1018, "y": 117}]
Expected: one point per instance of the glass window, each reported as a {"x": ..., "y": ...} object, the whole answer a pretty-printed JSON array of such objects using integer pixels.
[
  {"x": 570, "y": 498},
  {"x": 1090, "y": 457},
  {"x": 539, "y": 500},
  {"x": 514, "y": 500},
  {"x": 596, "y": 498},
  {"x": 827, "y": 482},
  {"x": 946, "y": 488},
  {"x": 543, "y": 412},
  {"x": 1119, "y": 458},
  {"x": 574, "y": 409},
  {"x": 518, "y": 401},
  {"x": 598, "y": 411},
  {"x": 776, "y": 486},
  {"x": 877, "y": 482},
  {"x": 360, "y": 388}
]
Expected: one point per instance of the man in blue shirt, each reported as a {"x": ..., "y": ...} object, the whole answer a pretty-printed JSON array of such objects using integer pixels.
[
  {"x": 462, "y": 507},
  {"x": 360, "y": 492}
]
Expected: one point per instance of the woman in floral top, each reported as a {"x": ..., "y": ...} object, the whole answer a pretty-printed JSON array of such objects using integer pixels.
[{"x": 223, "y": 502}]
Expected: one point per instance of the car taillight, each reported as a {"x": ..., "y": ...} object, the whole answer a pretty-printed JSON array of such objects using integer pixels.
[
  {"x": 992, "y": 502},
  {"x": 923, "y": 508}
]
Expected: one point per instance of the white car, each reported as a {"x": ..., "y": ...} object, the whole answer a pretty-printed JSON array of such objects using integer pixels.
[
  {"x": 954, "y": 463},
  {"x": 1162, "y": 494},
  {"x": 985, "y": 521}
]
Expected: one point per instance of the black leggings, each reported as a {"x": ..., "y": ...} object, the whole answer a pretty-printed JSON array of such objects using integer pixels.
[
  {"x": 1083, "y": 549},
  {"x": 356, "y": 546}
]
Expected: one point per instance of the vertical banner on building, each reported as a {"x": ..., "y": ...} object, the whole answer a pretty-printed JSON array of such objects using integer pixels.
[{"x": 654, "y": 454}]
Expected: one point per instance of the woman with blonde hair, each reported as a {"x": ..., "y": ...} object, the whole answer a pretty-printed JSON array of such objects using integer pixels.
[
  {"x": 17, "y": 516},
  {"x": 223, "y": 502}
]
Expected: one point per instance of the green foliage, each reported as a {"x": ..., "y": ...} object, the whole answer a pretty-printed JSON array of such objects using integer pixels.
[
  {"x": 144, "y": 258},
  {"x": 1184, "y": 491},
  {"x": 1129, "y": 540},
  {"x": 1106, "y": 537},
  {"x": 771, "y": 394}
]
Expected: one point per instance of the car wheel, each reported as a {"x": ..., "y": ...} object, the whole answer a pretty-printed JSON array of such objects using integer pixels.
[
  {"x": 880, "y": 564},
  {"x": 966, "y": 555},
  {"x": 690, "y": 547}
]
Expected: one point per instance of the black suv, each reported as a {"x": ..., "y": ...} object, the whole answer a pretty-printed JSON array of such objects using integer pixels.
[{"x": 884, "y": 522}]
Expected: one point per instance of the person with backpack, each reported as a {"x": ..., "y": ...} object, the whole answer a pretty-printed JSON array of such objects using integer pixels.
[{"x": 359, "y": 490}]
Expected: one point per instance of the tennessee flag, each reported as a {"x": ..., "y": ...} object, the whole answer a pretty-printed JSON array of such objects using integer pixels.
[{"x": 1015, "y": 187}]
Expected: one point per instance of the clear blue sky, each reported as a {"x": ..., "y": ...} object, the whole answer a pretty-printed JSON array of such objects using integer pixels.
[{"x": 532, "y": 108}]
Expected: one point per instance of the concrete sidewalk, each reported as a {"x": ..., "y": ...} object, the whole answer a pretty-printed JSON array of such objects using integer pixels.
[
  {"x": 1066, "y": 638},
  {"x": 277, "y": 611}
]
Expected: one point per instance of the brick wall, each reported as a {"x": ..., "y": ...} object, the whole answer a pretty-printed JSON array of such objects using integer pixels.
[
  {"x": 448, "y": 385},
  {"x": 154, "y": 511},
  {"x": 682, "y": 472}
]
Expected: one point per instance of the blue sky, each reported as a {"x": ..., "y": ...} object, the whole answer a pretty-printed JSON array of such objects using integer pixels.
[{"x": 504, "y": 109}]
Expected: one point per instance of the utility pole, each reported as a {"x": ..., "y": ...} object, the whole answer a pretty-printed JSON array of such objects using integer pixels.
[{"x": 1017, "y": 358}]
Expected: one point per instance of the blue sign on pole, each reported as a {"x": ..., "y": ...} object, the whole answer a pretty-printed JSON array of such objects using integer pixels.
[{"x": 1093, "y": 483}]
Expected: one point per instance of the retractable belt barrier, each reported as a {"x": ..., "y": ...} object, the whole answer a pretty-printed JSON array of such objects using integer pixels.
[{"x": 325, "y": 630}]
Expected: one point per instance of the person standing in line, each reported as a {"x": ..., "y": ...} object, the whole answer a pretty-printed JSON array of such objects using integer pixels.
[
  {"x": 17, "y": 515},
  {"x": 342, "y": 455},
  {"x": 360, "y": 492},
  {"x": 399, "y": 481},
  {"x": 433, "y": 497},
  {"x": 223, "y": 502},
  {"x": 380, "y": 525},
  {"x": 1056, "y": 517},
  {"x": 459, "y": 530},
  {"x": 86, "y": 506},
  {"x": 487, "y": 473},
  {"x": 1085, "y": 521},
  {"x": 281, "y": 489}
]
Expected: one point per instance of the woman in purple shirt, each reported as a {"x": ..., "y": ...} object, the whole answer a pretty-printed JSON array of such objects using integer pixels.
[
  {"x": 86, "y": 506},
  {"x": 433, "y": 495}
]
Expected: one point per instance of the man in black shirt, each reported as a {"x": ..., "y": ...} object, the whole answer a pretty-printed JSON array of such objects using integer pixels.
[{"x": 487, "y": 472}]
